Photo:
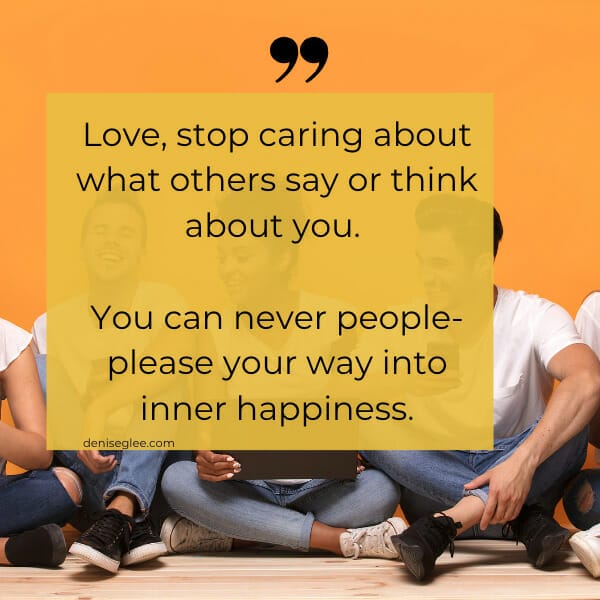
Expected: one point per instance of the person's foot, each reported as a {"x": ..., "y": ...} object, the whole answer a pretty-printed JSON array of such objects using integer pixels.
[
  {"x": 144, "y": 544},
  {"x": 586, "y": 544},
  {"x": 41, "y": 547},
  {"x": 424, "y": 541},
  {"x": 540, "y": 533},
  {"x": 181, "y": 535},
  {"x": 374, "y": 541},
  {"x": 105, "y": 542}
]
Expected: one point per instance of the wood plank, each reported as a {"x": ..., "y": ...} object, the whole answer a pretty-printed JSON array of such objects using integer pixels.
[{"x": 479, "y": 569}]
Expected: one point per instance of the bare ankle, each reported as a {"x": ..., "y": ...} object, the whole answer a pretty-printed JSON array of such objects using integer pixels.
[{"x": 124, "y": 503}]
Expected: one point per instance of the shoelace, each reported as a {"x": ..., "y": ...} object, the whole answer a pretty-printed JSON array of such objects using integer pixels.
[
  {"x": 516, "y": 525},
  {"x": 356, "y": 543},
  {"x": 358, "y": 536},
  {"x": 448, "y": 526},
  {"x": 107, "y": 529},
  {"x": 141, "y": 530}
]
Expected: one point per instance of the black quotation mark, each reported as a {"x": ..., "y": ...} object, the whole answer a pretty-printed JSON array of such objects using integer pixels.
[{"x": 313, "y": 50}]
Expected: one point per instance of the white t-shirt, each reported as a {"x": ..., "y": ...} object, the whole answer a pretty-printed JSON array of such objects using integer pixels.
[
  {"x": 298, "y": 385},
  {"x": 13, "y": 340},
  {"x": 587, "y": 322},
  {"x": 78, "y": 353},
  {"x": 528, "y": 332},
  {"x": 232, "y": 342},
  {"x": 39, "y": 335}
]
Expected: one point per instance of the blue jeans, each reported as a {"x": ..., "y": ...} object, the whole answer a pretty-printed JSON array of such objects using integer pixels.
[
  {"x": 32, "y": 499},
  {"x": 440, "y": 475},
  {"x": 582, "y": 499},
  {"x": 137, "y": 473},
  {"x": 278, "y": 514},
  {"x": 414, "y": 506}
]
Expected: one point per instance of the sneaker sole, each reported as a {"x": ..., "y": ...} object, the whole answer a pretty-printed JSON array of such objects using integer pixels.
[
  {"x": 550, "y": 546},
  {"x": 212, "y": 545},
  {"x": 144, "y": 553},
  {"x": 59, "y": 547},
  {"x": 166, "y": 531},
  {"x": 585, "y": 554},
  {"x": 412, "y": 556},
  {"x": 95, "y": 557}
]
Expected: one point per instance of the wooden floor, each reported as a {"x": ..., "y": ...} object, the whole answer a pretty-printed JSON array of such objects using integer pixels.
[{"x": 479, "y": 570}]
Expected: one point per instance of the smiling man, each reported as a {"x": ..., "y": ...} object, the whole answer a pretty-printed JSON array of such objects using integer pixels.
[
  {"x": 540, "y": 434},
  {"x": 119, "y": 485}
]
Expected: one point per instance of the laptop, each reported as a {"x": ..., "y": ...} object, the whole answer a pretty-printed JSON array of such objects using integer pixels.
[{"x": 295, "y": 464}]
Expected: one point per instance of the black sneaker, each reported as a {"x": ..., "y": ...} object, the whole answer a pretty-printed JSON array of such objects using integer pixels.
[
  {"x": 540, "y": 533},
  {"x": 40, "y": 547},
  {"x": 105, "y": 541},
  {"x": 144, "y": 544},
  {"x": 421, "y": 544}
]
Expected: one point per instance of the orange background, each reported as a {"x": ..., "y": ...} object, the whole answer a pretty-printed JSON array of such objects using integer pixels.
[{"x": 539, "y": 58}]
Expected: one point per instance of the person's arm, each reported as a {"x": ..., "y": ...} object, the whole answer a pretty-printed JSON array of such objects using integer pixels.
[
  {"x": 587, "y": 322},
  {"x": 215, "y": 467},
  {"x": 574, "y": 402},
  {"x": 96, "y": 462},
  {"x": 25, "y": 443}
]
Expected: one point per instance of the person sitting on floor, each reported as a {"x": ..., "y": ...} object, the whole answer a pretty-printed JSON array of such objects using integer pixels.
[
  {"x": 540, "y": 434},
  {"x": 582, "y": 498},
  {"x": 348, "y": 518},
  {"x": 118, "y": 486},
  {"x": 34, "y": 503}
]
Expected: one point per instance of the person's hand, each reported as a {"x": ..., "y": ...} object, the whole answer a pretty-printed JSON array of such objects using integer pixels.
[
  {"x": 361, "y": 464},
  {"x": 509, "y": 483},
  {"x": 96, "y": 462},
  {"x": 216, "y": 467}
]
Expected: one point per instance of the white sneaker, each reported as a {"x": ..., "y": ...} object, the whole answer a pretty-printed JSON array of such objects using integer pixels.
[
  {"x": 586, "y": 545},
  {"x": 181, "y": 535},
  {"x": 374, "y": 541}
]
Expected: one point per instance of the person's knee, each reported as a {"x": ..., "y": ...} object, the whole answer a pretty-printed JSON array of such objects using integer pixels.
[
  {"x": 581, "y": 493},
  {"x": 375, "y": 499},
  {"x": 176, "y": 479},
  {"x": 393, "y": 463},
  {"x": 581, "y": 499},
  {"x": 584, "y": 499},
  {"x": 384, "y": 491},
  {"x": 70, "y": 482},
  {"x": 378, "y": 458}
]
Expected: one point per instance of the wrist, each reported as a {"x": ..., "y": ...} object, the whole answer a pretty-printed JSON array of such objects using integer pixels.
[{"x": 527, "y": 458}]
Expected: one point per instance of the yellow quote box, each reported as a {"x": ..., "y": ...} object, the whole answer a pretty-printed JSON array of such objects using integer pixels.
[{"x": 264, "y": 271}]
